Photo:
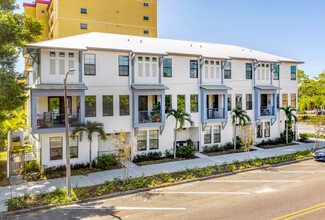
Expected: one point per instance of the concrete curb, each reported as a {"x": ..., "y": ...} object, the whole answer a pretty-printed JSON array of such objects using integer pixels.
[{"x": 118, "y": 194}]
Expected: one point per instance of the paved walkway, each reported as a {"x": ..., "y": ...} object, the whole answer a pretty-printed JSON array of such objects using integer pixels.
[{"x": 137, "y": 171}]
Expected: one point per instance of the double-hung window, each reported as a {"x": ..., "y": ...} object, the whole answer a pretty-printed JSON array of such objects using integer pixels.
[
  {"x": 73, "y": 143},
  {"x": 193, "y": 69},
  {"x": 167, "y": 67},
  {"x": 142, "y": 140},
  {"x": 267, "y": 129},
  {"x": 293, "y": 100},
  {"x": 90, "y": 64},
  {"x": 108, "y": 105},
  {"x": 227, "y": 70},
  {"x": 194, "y": 103},
  {"x": 239, "y": 101},
  {"x": 123, "y": 65},
  {"x": 259, "y": 130},
  {"x": 293, "y": 72},
  {"x": 56, "y": 145},
  {"x": 90, "y": 106},
  {"x": 284, "y": 100},
  {"x": 168, "y": 103},
  {"x": 207, "y": 135},
  {"x": 249, "y": 71},
  {"x": 249, "y": 104},
  {"x": 229, "y": 102},
  {"x": 124, "y": 105},
  {"x": 153, "y": 140},
  {"x": 216, "y": 134},
  {"x": 181, "y": 102},
  {"x": 276, "y": 72}
]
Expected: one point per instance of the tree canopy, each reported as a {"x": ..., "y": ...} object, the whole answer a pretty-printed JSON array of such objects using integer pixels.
[
  {"x": 311, "y": 91},
  {"x": 16, "y": 31}
]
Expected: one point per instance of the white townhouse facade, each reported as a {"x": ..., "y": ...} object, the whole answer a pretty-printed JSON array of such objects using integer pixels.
[{"x": 129, "y": 82}]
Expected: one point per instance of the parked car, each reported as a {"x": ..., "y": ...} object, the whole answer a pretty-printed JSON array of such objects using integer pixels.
[
  {"x": 318, "y": 111},
  {"x": 319, "y": 155}
]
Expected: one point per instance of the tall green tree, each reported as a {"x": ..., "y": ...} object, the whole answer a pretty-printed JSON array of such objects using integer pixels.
[
  {"x": 289, "y": 119},
  {"x": 239, "y": 118},
  {"x": 90, "y": 128},
  {"x": 181, "y": 117},
  {"x": 16, "y": 30}
]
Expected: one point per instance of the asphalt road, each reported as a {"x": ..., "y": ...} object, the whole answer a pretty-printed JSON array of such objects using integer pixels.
[{"x": 294, "y": 191}]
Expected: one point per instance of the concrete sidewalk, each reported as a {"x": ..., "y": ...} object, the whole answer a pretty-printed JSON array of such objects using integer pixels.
[{"x": 137, "y": 171}]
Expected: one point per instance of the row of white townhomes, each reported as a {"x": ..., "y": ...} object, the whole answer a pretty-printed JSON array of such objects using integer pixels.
[{"x": 128, "y": 82}]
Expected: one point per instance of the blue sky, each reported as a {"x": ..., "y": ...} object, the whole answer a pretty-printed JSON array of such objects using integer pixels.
[{"x": 289, "y": 28}]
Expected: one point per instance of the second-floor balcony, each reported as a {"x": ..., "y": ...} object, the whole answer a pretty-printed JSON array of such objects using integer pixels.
[
  {"x": 267, "y": 110},
  {"x": 54, "y": 120},
  {"x": 149, "y": 116},
  {"x": 215, "y": 113}
]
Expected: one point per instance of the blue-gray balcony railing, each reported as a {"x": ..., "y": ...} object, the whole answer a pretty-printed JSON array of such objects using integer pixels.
[
  {"x": 215, "y": 113},
  {"x": 267, "y": 110},
  {"x": 53, "y": 120},
  {"x": 149, "y": 116}
]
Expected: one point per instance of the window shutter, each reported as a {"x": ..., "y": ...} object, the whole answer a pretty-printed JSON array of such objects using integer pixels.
[
  {"x": 258, "y": 77},
  {"x": 212, "y": 72},
  {"x": 52, "y": 67},
  {"x": 62, "y": 67},
  {"x": 154, "y": 70},
  {"x": 263, "y": 74},
  {"x": 218, "y": 72},
  {"x": 206, "y": 70},
  {"x": 147, "y": 69},
  {"x": 71, "y": 65},
  {"x": 267, "y": 76},
  {"x": 140, "y": 69}
]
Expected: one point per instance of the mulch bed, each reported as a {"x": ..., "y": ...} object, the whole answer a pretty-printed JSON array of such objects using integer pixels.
[
  {"x": 275, "y": 146},
  {"x": 218, "y": 153},
  {"x": 162, "y": 160}
]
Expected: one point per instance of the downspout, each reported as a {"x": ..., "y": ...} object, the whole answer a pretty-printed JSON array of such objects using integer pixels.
[{"x": 255, "y": 64}]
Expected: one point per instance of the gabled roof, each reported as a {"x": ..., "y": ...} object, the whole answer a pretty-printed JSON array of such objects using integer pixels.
[{"x": 159, "y": 46}]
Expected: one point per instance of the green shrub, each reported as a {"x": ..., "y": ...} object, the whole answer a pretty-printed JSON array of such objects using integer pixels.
[
  {"x": 105, "y": 161},
  {"x": 154, "y": 155},
  {"x": 211, "y": 149},
  {"x": 185, "y": 152},
  {"x": 32, "y": 166},
  {"x": 169, "y": 154},
  {"x": 18, "y": 202},
  {"x": 147, "y": 157},
  {"x": 60, "y": 196}
]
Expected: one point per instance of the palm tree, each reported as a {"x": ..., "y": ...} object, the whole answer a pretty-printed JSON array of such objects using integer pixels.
[
  {"x": 180, "y": 117},
  {"x": 239, "y": 117},
  {"x": 289, "y": 116},
  {"x": 90, "y": 127}
]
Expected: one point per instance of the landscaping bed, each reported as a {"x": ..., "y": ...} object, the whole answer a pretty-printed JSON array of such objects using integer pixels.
[
  {"x": 267, "y": 146},
  {"x": 228, "y": 148},
  {"x": 224, "y": 152},
  {"x": 109, "y": 187}
]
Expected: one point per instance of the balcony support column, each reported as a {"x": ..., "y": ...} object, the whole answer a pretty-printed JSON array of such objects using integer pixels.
[{"x": 34, "y": 112}]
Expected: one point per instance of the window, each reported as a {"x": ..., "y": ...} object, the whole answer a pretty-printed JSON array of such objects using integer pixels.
[
  {"x": 123, "y": 65},
  {"x": 259, "y": 130},
  {"x": 145, "y": 32},
  {"x": 145, "y": 4},
  {"x": 154, "y": 59},
  {"x": 43, "y": 11},
  {"x": 146, "y": 18},
  {"x": 207, "y": 135},
  {"x": 276, "y": 72},
  {"x": 216, "y": 134},
  {"x": 140, "y": 58},
  {"x": 194, "y": 103},
  {"x": 71, "y": 55},
  {"x": 62, "y": 67},
  {"x": 238, "y": 101},
  {"x": 56, "y": 144},
  {"x": 284, "y": 100},
  {"x": 168, "y": 103},
  {"x": 52, "y": 54},
  {"x": 181, "y": 102},
  {"x": 73, "y": 143},
  {"x": 83, "y": 26},
  {"x": 229, "y": 102},
  {"x": 52, "y": 67},
  {"x": 107, "y": 105},
  {"x": 293, "y": 72},
  {"x": 293, "y": 100},
  {"x": 193, "y": 69},
  {"x": 90, "y": 64},
  {"x": 90, "y": 106},
  {"x": 124, "y": 105},
  {"x": 278, "y": 100},
  {"x": 249, "y": 71},
  {"x": 61, "y": 54},
  {"x": 227, "y": 70},
  {"x": 249, "y": 104},
  {"x": 267, "y": 129},
  {"x": 147, "y": 59},
  {"x": 83, "y": 11},
  {"x": 167, "y": 67},
  {"x": 142, "y": 140},
  {"x": 153, "y": 140}
]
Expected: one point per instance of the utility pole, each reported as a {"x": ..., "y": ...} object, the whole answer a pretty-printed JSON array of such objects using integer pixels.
[{"x": 67, "y": 147}]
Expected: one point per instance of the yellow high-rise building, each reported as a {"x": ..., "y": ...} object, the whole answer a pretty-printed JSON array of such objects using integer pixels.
[{"x": 64, "y": 18}]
